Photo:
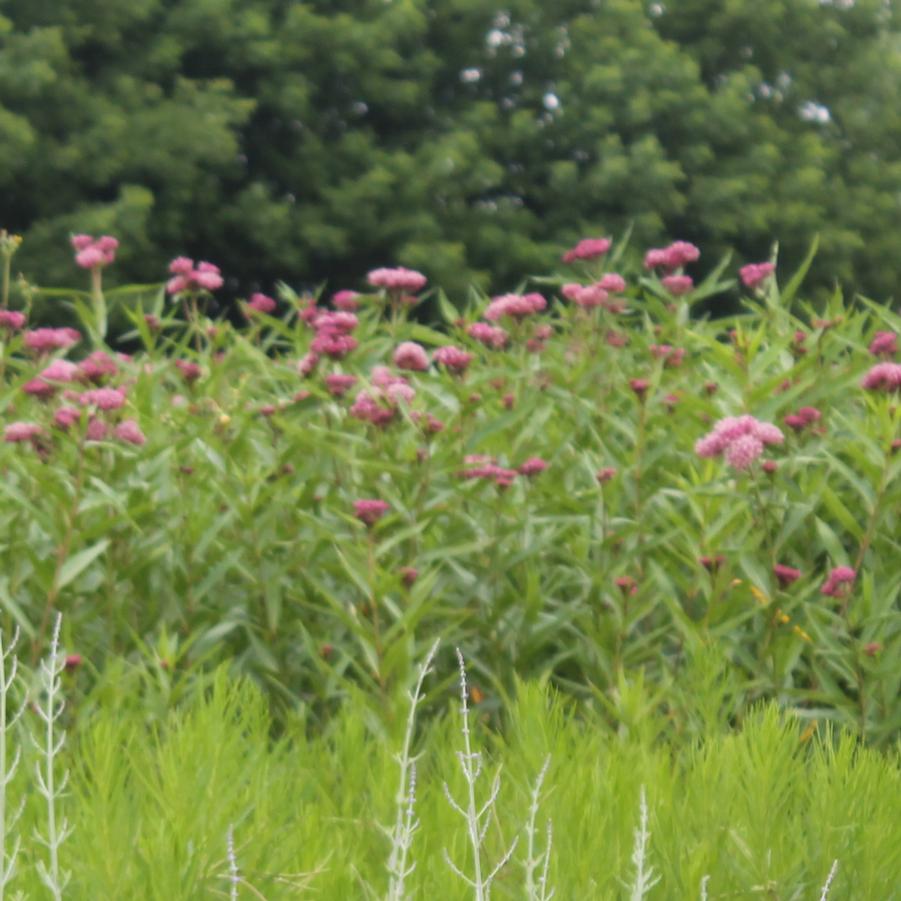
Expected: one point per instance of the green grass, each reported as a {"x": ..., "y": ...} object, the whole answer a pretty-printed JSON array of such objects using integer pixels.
[{"x": 763, "y": 812}]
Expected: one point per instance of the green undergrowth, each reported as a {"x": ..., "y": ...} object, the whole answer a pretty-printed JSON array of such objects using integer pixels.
[{"x": 759, "y": 811}]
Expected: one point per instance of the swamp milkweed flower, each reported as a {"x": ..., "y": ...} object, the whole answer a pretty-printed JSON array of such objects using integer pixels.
[
  {"x": 677, "y": 285},
  {"x": 755, "y": 274},
  {"x": 883, "y": 377},
  {"x": 12, "y": 320},
  {"x": 397, "y": 279},
  {"x": 47, "y": 339},
  {"x": 453, "y": 359},
  {"x": 348, "y": 301},
  {"x": 739, "y": 439},
  {"x": 884, "y": 344},
  {"x": 188, "y": 277},
  {"x": 786, "y": 574},
  {"x": 91, "y": 253},
  {"x": 587, "y": 249},
  {"x": 370, "y": 511},
  {"x": 260, "y": 303},
  {"x": 490, "y": 335},
  {"x": 516, "y": 306},
  {"x": 22, "y": 431},
  {"x": 410, "y": 355},
  {"x": 837, "y": 578}
]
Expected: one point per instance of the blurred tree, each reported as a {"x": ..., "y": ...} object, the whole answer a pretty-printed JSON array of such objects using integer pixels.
[{"x": 473, "y": 139}]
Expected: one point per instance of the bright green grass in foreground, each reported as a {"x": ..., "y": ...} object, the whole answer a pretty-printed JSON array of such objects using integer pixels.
[{"x": 761, "y": 812}]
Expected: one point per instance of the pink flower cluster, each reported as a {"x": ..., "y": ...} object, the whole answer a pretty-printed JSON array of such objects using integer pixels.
[
  {"x": 587, "y": 249},
  {"x": 884, "y": 344},
  {"x": 739, "y": 439},
  {"x": 492, "y": 336},
  {"x": 671, "y": 258},
  {"x": 671, "y": 356},
  {"x": 22, "y": 431},
  {"x": 44, "y": 340},
  {"x": 786, "y": 574},
  {"x": 804, "y": 417},
  {"x": 410, "y": 355},
  {"x": 517, "y": 306},
  {"x": 339, "y": 383},
  {"x": 453, "y": 359},
  {"x": 378, "y": 404},
  {"x": 485, "y": 467},
  {"x": 837, "y": 579},
  {"x": 348, "y": 301},
  {"x": 333, "y": 335},
  {"x": 589, "y": 297},
  {"x": 12, "y": 320},
  {"x": 397, "y": 280},
  {"x": 677, "y": 285},
  {"x": 883, "y": 377},
  {"x": 370, "y": 511},
  {"x": 261, "y": 303},
  {"x": 188, "y": 278},
  {"x": 755, "y": 274},
  {"x": 91, "y": 253}
]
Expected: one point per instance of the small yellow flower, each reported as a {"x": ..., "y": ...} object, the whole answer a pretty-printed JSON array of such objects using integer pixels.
[
  {"x": 801, "y": 633},
  {"x": 762, "y": 599}
]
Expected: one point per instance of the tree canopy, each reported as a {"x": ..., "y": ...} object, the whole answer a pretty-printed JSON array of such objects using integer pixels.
[{"x": 471, "y": 139}]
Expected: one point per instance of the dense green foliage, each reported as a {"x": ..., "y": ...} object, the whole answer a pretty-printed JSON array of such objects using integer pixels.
[
  {"x": 759, "y": 810},
  {"x": 230, "y": 532},
  {"x": 315, "y": 140}
]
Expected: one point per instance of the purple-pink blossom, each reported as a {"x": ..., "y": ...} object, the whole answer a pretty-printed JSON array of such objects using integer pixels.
[
  {"x": 348, "y": 301},
  {"x": 883, "y": 377},
  {"x": 587, "y": 249},
  {"x": 22, "y": 431},
  {"x": 186, "y": 277},
  {"x": 91, "y": 253},
  {"x": 755, "y": 274},
  {"x": 397, "y": 279},
  {"x": 490, "y": 335},
  {"x": 97, "y": 367},
  {"x": 586, "y": 296},
  {"x": 516, "y": 306},
  {"x": 60, "y": 371},
  {"x": 453, "y": 359},
  {"x": 65, "y": 417},
  {"x": 673, "y": 257},
  {"x": 103, "y": 398},
  {"x": 261, "y": 303},
  {"x": 47, "y": 339},
  {"x": 740, "y": 439},
  {"x": 677, "y": 285},
  {"x": 837, "y": 579},
  {"x": 612, "y": 283},
  {"x": 339, "y": 383},
  {"x": 129, "y": 431},
  {"x": 370, "y": 511},
  {"x": 804, "y": 417},
  {"x": 532, "y": 467},
  {"x": 410, "y": 355},
  {"x": 12, "y": 320},
  {"x": 884, "y": 344}
]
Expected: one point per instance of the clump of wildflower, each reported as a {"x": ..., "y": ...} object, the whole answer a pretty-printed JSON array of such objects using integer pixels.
[
  {"x": 612, "y": 283},
  {"x": 677, "y": 285},
  {"x": 260, "y": 303},
  {"x": 129, "y": 431},
  {"x": 639, "y": 387},
  {"x": 838, "y": 578},
  {"x": 883, "y": 377},
  {"x": 671, "y": 356},
  {"x": 347, "y": 301},
  {"x": 189, "y": 370},
  {"x": 786, "y": 574},
  {"x": 397, "y": 280},
  {"x": 481, "y": 466},
  {"x": 804, "y": 417},
  {"x": 755, "y": 274},
  {"x": 626, "y": 584},
  {"x": 516, "y": 306},
  {"x": 333, "y": 334},
  {"x": 408, "y": 575},
  {"x": 490, "y": 335},
  {"x": 587, "y": 249},
  {"x": 739, "y": 439},
  {"x": 605, "y": 474},
  {"x": 379, "y": 403},
  {"x": 712, "y": 564},
  {"x": 370, "y": 511},
  {"x": 44, "y": 340},
  {"x": 453, "y": 359},
  {"x": 97, "y": 430},
  {"x": 410, "y": 355},
  {"x": 673, "y": 257},
  {"x": 103, "y": 398},
  {"x": 60, "y": 371},
  {"x": 532, "y": 467},
  {"x": 339, "y": 383},
  {"x": 12, "y": 320},
  {"x": 588, "y": 297},
  {"x": 884, "y": 344},
  {"x": 22, "y": 431},
  {"x": 39, "y": 388},
  {"x": 307, "y": 364},
  {"x": 97, "y": 367},
  {"x": 188, "y": 278},
  {"x": 91, "y": 253},
  {"x": 616, "y": 339},
  {"x": 65, "y": 417}
]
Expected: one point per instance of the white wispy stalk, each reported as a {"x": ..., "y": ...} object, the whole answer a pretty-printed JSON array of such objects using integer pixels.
[
  {"x": 405, "y": 824},
  {"x": 234, "y": 876},
  {"x": 7, "y": 769},
  {"x": 471, "y": 764},
  {"x": 644, "y": 879},
  {"x": 49, "y": 708},
  {"x": 536, "y": 889},
  {"x": 704, "y": 881},
  {"x": 824, "y": 895}
]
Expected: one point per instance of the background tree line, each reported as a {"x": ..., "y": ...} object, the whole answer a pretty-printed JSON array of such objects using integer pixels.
[{"x": 472, "y": 139}]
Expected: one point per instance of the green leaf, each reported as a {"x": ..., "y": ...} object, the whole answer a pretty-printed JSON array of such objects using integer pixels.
[{"x": 77, "y": 564}]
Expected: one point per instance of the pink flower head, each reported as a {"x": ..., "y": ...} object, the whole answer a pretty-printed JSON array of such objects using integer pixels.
[
  {"x": 261, "y": 303},
  {"x": 884, "y": 344},
  {"x": 22, "y": 431},
  {"x": 804, "y": 417},
  {"x": 639, "y": 386},
  {"x": 838, "y": 577},
  {"x": 47, "y": 339},
  {"x": 349, "y": 301},
  {"x": 370, "y": 511},
  {"x": 677, "y": 285},
  {"x": 516, "y": 306},
  {"x": 188, "y": 277},
  {"x": 586, "y": 296},
  {"x": 612, "y": 283},
  {"x": 605, "y": 475},
  {"x": 671, "y": 356},
  {"x": 587, "y": 249},
  {"x": 129, "y": 431},
  {"x": 490, "y": 335},
  {"x": 681, "y": 252},
  {"x": 532, "y": 467},
  {"x": 60, "y": 371},
  {"x": 755, "y": 274},
  {"x": 398, "y": 279},
  {"x": 336, "y": 345},
  {"x": 103, "y": 398},
  {"x": 65, "y": 417},
  {"x": 883, "y": 377},
  {"x": 97, "y": 430},
  {"x": 92, "y": 254},
  {"x": 342, "y": 321},
  {"x": 97, "y": 367},
  {"x": 190, "y": 371},
  {"x": 307, "y": 364},
  {"x": 39, "y": 388},
  {"x": 410, "y": 355},
  {"x": 12, "y": 320},
  {"x": 786, "y": 574},
  {"x": 339, "y": 383},
  {"x": 740, "y": 439},
  {"x": 453, "y": 359}
]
